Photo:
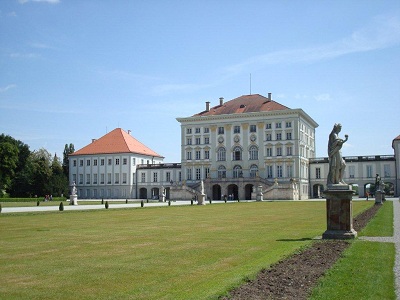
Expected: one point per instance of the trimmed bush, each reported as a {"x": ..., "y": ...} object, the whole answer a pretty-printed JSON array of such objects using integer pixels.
[
  {"x": 142, "y": 203},
  {"x": 38, "y": 203},
  {"x": 126, "y": 201},
  {"x": 169, "y": 203},
  {"x": 191, "y": 202},
  {"x": 102, "y": 201},
  {"x": 61, "y": 207},
  {"x": 106, "y": 205}
]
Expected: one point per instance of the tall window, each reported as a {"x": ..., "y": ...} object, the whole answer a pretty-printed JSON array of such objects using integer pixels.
[
  {"x": 198, "y": 174},
  {"x": 268, "y": 126},
  {"x": 102, "y": 178},
  {"x": 270, "y": 173},
  {"x": 386, "y": 170},
  {"x": 108, "y": 178},
  {"x": 207, "y": 171},
  {"x": 102, "y": 162},
  {"x": 74, "y": 162},
  {"x": 279, "y": 151},
  {"x": 124, "y": 177},
  {"x": 352, "y": 171},
  {"x": 117, "y": 161},
  {"x": 95, "y": 162},
  {"x": 268, "y": 137},
  {"x": 116, "y": 178},
  {"x": 369, "y": 171},
  {"x": 88, "y": 162},
  {"x": 189, "y": 155},
  {"x": 80, "y": 178},
  {"x": 253, "y": 171},
  {"x": 221, "y": 154},
  {"x": 206, "y": 140},
  {"x": 87, "y": 178},
  {"x": 206, "y": 154},
  {"x": 269, "y": 151},
  {"x": 288, "y": 135},
  {"x": 237, "y": 153},
  {"x": 124, "y": 161},
  {"x": 198, "y": 142},
  {"x": 155, "y": 177},
  {"x": 279, "y": 171},
  {"x": 81, "y": 162},
  {"x": 289, "y": 150},
  {"x": 168, "y": 176},
  {"x": 289, "y": 170},
  {"x": 237, "y": 172},
  {"x": 318, "y": 173},
  {"x": 279, "y": 136},
  {"x": 109, "y": 161},
  {"x": 143, "y": 177},
  {"x": 188, "y": 141},
  {"x": 221, "y": 172},
  {"x": 236, "y": 129},
  {"x": 206, "y": 130},
  {"x": 278, "y": 125},
  {"x": 94, "y": 178},
  {"x": 188, "y": 130},
  {"x": 198, "y": 154},
  {"x": 253, "y": 153},
  {"x": 197, "y": 130},
  {"x": 189, "y": 174},
  {"x": 288, "y": 124}
]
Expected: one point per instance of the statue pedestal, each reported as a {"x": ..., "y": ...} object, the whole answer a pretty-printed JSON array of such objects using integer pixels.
[
  {"x": 379, "y": 197},
  {"x": 162, "y": 198},
  {"x": 259, "y": 196},
  {"x": 73, "y": 200},
  {"x": 201, "y": 200},
  {"x": 339, "y": 213}
]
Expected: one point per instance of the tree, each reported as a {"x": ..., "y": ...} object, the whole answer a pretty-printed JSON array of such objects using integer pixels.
[
  {"x": 58, "y": 181},
  {"x": 67, "y": 151},
  {"x": 8, "y": 164}
]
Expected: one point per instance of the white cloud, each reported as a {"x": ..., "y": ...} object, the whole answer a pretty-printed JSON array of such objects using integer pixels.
[
  {"x": 8, "y": 87},
  {"x": 381, "y": 32}
]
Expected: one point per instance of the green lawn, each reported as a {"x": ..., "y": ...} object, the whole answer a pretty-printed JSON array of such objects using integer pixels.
[
  {"x": 382, "y": 223},
  {"x": 187, "y": 252}
]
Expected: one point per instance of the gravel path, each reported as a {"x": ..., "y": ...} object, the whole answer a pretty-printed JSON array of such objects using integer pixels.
[{"x": 394, "y": 239}]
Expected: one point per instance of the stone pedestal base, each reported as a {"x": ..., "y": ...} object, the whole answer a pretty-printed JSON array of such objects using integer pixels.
[
  {"x": 73, "y": 200},
  {"x": 201, "y": 200},
  {"x": 161, "y": 199},
  {"x": 339, "y": 214},
  {"x": 259, "y": 196},
  {"x": 379, "y": 197}
]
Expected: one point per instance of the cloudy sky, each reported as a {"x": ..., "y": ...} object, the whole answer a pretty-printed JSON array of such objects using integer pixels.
[{"x": 74, "y": 70}]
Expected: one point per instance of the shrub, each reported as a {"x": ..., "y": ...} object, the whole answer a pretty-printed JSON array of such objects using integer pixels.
[
  {"x": 38, "y": 203},
  {"x": 106, "y": 205},
  {"x": 142, "y": 203},
  {"x": 61, "y": 207},
  {"x": 102, "y": 201},
  {"x": 126, "y": 201}
]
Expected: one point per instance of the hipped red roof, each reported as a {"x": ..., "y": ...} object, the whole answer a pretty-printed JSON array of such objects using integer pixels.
[
  {"x": 116, "y": 141},
  {"x": 244, "y": 104}
]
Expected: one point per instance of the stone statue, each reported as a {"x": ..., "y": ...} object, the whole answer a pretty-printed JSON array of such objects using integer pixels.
[
  {"x": 337, "y": 164},
  {"x": 74, "y": 190},
  {"x": 202, "y": 187}
]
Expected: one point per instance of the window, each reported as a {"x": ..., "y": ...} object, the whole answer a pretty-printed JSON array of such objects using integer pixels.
[
  {"x": 133, "y": 161},
  {"x": 189, "y": 155},
  {"x": 278, "y": 125},
  {"x": 279, "y": 171},
  {"x": 237, "y": 153},
  {"x": 369, "y": 171},
  {"x": 253, "y": 153},
  {"x": 80, "y": 178},
  {"x": 102, "y": 162},
  {"x": 253, "y": 171},
  {"x": 289, "y": 150},
  {"x": 253, "y": 128},
  {"x": 143, "y": 177},
  {"x": 155, "y": 177},
  {"x": 268, "y": 126},
  {"x": 386, "y": 170},
  {"x": 352, "y": 171},
  {"x": 279, "y": 136},
  {"x": 236, "y": 129},
  {"x": 198, "y": 141},
  {"x": 116, "y": 178},
  {"x": 237, "y": 172},
  {"x": 221, "y": 154},
  {"x": 87, "y": 178},
  {"x": 288, "y": 124},
  {"x": 94, "y": 178},
  {"x": 318, "y": 173},
  {"x": 198, "y": 155},
  {"x": 124, "y": 161},
  {"x": 206, "y": 154},
  {"x": 102, "y": 178},
  {"x": 108, "y": 178},
  {"x": 81, "y": 162},
  {"x": 206, "y": 140},
  {"x": 109, "y": 161},
  {"x": 188, "y": 141},
  {"x": 189, "y": 174},
  {"x": 168, "y": 176},
  {"x": 188, "y": 130},
  {"x": 95, "y": 162},
  {"x": 289, "y": 169},
  {"x": 220, "y": 130},
  {"x": 269, "y": 151},
  {"x": 88, "y": 162},
  {"x": 288, "y": 135},
  {"x": 198, "y": 174},
  {"x": 124, "y": 177},
  {"x": 269, "y": 172},
  {"x": 117, "y": 161},
  {"x": 74, "y": 162},
  {"x": 206, "y": 130},
  {"x": 207, "y": 170},
  {"x": 197, "y": 130},
  {"x": 279, "y": 151},
  {"x": 180, "y": 176},
  {"x": 268, "y": 137},
  {"x": 221, "y": 172}
]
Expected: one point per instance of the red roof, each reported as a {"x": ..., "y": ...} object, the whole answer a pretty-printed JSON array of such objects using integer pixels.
[
  {"x": 116, "y": 141},
  {"x": 244, "y": 104},
  {"x": 395, "y": 139}
]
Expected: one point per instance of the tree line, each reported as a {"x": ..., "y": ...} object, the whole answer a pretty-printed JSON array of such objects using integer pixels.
[{"x": 25, "y": 173}]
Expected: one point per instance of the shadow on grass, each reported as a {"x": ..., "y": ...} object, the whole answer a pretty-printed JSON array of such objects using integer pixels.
[{"x": 295, "y": 240}]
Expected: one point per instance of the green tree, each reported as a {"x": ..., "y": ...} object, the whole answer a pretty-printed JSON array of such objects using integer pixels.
[
  {"x": 8, "y": 164},
  {"x": 68, "y": 149},
  {"x": 58, "y": 181},
  {"x": 41, "y": 172}
]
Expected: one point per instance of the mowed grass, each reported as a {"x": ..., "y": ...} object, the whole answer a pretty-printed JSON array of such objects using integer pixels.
[
  {"x": 366, "y": 269},
  {"x": 187, "y": 252}
]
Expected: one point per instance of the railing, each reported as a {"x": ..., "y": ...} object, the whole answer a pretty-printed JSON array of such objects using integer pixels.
[{"x": 355, "y": 158}]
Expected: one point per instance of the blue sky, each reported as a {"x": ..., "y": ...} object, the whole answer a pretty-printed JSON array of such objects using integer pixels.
[{"x": 74, "y": 70}]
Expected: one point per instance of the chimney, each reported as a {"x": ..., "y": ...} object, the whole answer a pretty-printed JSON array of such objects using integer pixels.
[
  {"x": 221, "y": 101},
  {"x": 129, "y": 132},
  {"x": 208, "y": 106},
  {"x": 269, "y": 96},
  {"x": 93, "y": 140}
]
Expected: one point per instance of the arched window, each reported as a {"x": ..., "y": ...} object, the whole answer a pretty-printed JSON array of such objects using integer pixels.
[
  {"x": 237, "y": 172},
  {"x": 221, "y": 154},
  {"x": 253, "y": 171},
  {"x": 237, "y": 153},
  {"x": 253, "y": 153},
  {"x": 221, "y": 172}
]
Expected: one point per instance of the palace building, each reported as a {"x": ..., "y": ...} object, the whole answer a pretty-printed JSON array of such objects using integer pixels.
[{"x": 231, "y": 150}]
